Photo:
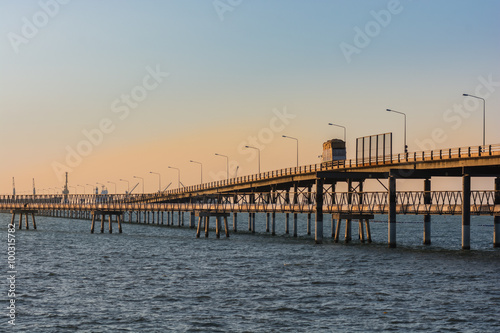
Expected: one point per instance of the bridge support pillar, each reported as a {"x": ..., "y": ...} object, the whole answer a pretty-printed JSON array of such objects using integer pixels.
[
  {"x": 198, "y": 230},
  {"x": 26, "y": 217},
  {"x": 318, "y": 237},
  {"x": 287, "y": 223},
  {"x": 267, "y": 222},
  {"x": 217, "y": 226},
  {"x": 348, "y": 223},
  {"x": 295, "y": 217},
  {"x": 334, "y": 226},
  {"x": 118, "y": 219},
  {"x": 253, "y": 223},
  {"x": 348, "y": 230},
  {"x": 226, "y": 227},
  {"x": 466, "y": 212},
  {"x": 496, "y": 226},
  {"x": 235, "y": 222},
  {"x": 273, "y": 223},
  {"x": 368, "y": 232},
  {"x": 33, "y": 218},
  {"x": 361, "y": 232},
  {"x": 392, "y": 212},
  {"x": 337, "y": 231},
  {"x": 93, "y": 223},
  {"x": 427, "y": 217},
  {"x": 191, "y": 221},
  {"x": 250, "y": 222},
  {"x": 102, "y": 223},
  {"x": 110, "y": 221},
  {"x": 207, "y": 225}
]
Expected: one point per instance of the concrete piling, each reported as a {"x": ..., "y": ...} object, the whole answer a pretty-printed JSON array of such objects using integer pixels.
[
  {"x": 392, "y": 212},
  {"x": 427, "y": 217},
  {"x": 217, "y": 226},
  {"x": 226, "y": 227},
  {"x": 368, "y": 232},
  {"x": 496, "y": 221},
  {"x": 466, "y": 212},
  {"x": 337, "y": 231},
  {"x": 361, "y": 232},
  {"x": 294, "y": 225},
  {"x": 348, "y": 231},
  {"x": 273, "y": 223},
  {"x": 318, "y": 237}
]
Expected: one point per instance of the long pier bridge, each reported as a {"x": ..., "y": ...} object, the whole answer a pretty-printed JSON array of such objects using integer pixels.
[{"x": 310, "y": 189}]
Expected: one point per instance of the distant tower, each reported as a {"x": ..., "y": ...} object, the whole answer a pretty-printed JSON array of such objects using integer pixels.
[
  {"x": 66, "y": 191},
  {"x": 13, "y": 186},
  {"x": 34, "y": 191}
]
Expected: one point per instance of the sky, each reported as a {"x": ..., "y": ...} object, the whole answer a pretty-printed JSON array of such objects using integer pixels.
[{"x": 109, "y": 90}]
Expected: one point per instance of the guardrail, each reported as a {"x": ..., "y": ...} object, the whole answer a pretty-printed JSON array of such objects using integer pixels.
[{"x": 408, "y": 202}]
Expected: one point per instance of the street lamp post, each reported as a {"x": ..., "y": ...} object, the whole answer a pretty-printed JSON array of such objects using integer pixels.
[
  {"x": 201, "y": 168},
  {"x": 178, "y": 176},
  {"x": 113, "y": 184},
  {"x": 289, "y": 137},
  {"x": 142, "y": 183},
  {"x": 227, "y": 164},
  {"x": 484, "y": 115},
  {"x": 128, "y": 185},
  {"x": 404, "y": 114},
  {"x": 250, "y": 147},
  {"x": 159, "y": 179},
  {"x": 345, "y": 130}
]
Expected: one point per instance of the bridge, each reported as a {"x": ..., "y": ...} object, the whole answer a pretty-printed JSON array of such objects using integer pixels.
[{"x": 309, "y": 189}]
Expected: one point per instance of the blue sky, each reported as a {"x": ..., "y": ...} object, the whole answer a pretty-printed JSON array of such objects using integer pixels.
[{"x": 225, "y": 78}]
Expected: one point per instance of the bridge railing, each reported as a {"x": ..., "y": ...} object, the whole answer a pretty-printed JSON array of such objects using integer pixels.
[
  {"x": 435, "y": 202},
  {"x": 430, "y": 155}
]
